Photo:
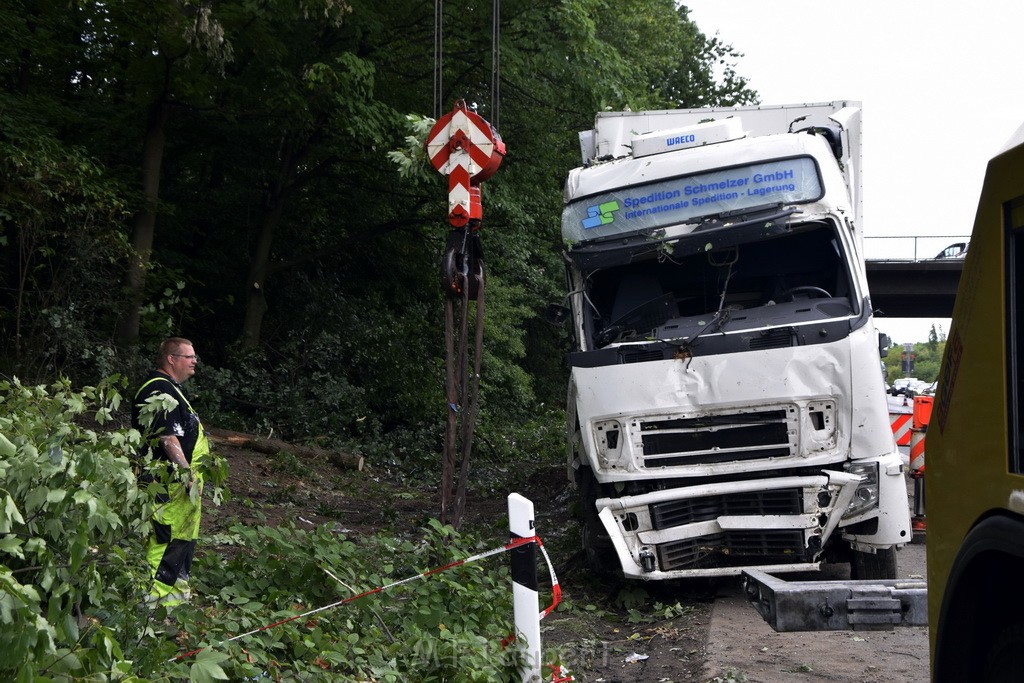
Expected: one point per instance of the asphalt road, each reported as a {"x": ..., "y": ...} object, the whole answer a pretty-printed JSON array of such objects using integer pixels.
[{"x": 743, "y": 647}]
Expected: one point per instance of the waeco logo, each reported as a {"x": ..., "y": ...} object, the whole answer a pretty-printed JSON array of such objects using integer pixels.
[
  {"x": 681, "y": 140},
  {"x": 600, "y": 214}
]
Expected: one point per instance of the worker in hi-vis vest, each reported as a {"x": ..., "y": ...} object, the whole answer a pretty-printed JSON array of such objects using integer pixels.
[{"x": 173, "y": 435}]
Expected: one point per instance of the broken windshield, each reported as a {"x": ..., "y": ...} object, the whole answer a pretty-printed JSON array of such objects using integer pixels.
[{"x": 682, "y": 291}]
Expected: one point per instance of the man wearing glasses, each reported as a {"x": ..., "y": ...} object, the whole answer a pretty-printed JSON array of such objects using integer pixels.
[{"x": 173, "y": 435}]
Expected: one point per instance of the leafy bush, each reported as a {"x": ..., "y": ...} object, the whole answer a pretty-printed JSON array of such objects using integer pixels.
[
  {"x": 63, "y": 211},
  {"x": 71, "y": 519},
  {"x": 304, "y": 394},
  {"x": 74, "y": 577},
  {"x": 445, "y": 628}
]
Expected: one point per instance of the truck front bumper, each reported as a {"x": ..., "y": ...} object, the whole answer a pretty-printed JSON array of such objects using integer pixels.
[{"x": 775, "y": 525}]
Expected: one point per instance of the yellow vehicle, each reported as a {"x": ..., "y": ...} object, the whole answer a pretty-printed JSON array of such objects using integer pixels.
[{"x": 975, "y": 458}]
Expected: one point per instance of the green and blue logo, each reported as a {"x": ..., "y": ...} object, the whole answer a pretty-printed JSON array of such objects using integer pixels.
[{"x": 600, "y": 215}]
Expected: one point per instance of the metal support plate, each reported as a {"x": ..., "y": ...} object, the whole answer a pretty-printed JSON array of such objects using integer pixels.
[{"x": 837, "y": 605}]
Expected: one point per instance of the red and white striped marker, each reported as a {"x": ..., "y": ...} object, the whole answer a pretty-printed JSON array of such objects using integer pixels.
[
  {"x": 917, "y": 438},
  {"x": 464, "y": 147},
  {"x": 901, "y": 424},
  {"x": 525, "y": 597}
]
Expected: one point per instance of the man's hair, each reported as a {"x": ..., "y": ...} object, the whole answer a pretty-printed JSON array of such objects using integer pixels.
[{"x": 169, "y": 346}]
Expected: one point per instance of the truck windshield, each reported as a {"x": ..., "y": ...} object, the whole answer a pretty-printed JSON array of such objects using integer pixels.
[
  {"x": 683, "y": 290},
  {"x": 641, "y": 208}
]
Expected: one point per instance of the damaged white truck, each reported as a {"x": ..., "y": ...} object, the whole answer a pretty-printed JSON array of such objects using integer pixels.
[{"x": 725, "y": 408}]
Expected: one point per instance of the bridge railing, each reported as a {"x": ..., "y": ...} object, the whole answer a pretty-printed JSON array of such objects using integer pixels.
[{"x": 910, "y": 248}]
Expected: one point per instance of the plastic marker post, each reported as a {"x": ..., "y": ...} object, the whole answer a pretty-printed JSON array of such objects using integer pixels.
[{"x": 526, "y": 602}]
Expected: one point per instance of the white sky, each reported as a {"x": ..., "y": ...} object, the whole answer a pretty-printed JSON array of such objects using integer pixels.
[{"x": 941, "y": 92}]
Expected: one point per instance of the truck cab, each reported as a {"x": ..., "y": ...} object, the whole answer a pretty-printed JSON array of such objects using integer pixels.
[{"x": 725, "y": 408}]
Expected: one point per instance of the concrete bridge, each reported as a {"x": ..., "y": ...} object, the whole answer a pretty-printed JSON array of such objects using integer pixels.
[{"x": 914, "y": 277}]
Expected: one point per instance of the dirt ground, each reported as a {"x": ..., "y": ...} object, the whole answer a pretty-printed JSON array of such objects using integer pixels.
[{"x": 610, "y": 631}]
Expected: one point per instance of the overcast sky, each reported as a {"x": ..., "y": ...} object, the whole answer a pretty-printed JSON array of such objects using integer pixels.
[{"x": 940, "y": 89}]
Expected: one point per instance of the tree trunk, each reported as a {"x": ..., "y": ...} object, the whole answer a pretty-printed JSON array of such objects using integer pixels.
[
  {"x": 259, "y": 262},
  {"x": 145, "y": 224},
  {"x": 255, "y": 286},
  {"x": 342, "y": 459}
]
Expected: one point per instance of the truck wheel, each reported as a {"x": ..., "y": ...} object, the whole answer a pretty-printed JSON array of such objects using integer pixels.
[
  {"x": 597, "y": 544},
  {"x": 873, "y": 566}
]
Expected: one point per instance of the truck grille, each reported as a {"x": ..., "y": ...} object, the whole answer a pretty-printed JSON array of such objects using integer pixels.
[
  {"x": 717, "y": 438},
  {"x": 771, "y": 502},
  {"x": 732, "y": 549}
]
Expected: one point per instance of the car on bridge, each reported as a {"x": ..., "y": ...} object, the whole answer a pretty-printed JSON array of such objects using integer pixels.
[{"x": 955, "y": 250}]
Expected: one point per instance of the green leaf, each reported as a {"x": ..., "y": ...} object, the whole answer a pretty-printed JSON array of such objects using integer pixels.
[
  {"x": 12, "y": 546},
  {"x": 9, "y": 515},
  {"x": 207, "y": 668},
  {"x": 35, "y": 499}
]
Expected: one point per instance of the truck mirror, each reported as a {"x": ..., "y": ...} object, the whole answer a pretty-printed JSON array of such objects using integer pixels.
[
  {"x": 556, "y": 314},
  {"x": 884, "y": 342}
]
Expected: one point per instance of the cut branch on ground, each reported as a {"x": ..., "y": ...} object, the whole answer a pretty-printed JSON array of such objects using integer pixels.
[{"x": 342, "y": 459}]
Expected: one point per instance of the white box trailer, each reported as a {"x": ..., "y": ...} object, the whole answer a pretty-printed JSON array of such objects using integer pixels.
[{"x": 725, "y": 408}]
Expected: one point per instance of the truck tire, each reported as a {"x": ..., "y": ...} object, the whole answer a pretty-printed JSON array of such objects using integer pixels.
[
  {"x": 873, "y": 566},
  {"x": 597, "y": 545}
]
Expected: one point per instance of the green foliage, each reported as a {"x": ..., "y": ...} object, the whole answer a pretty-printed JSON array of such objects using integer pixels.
[
  {"x": 305, "y": 395},
  {"x": 503, "y": 453},
  {"x": 73, "y": 575},
  {"x": 632, "y": 597},
  {"x": 926, "y": 366},
  {"x": 71, "y": 520},
  {"x": 59, "y": 208},
  {"x": 927, "y": 359},
  {"x": 445, "y": 628},
  {"x": 411, "y": 159},
  {"x": 659, "y": 611},
  {"x": 277, "y": 121},
  {"x": 286, "y": 463}
]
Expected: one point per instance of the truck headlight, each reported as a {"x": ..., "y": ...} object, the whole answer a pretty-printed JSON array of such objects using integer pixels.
[
  {"x": 608, "y": 435},
  {"x": 866, "y": 496}
]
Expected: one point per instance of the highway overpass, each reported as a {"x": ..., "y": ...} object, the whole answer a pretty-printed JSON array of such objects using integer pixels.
[
  {"x": 914, "y": 289},
  {"x": 905, "y": 285}
]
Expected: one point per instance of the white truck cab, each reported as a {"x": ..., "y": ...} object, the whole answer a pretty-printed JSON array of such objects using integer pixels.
[{"x": 725, "y": 408}]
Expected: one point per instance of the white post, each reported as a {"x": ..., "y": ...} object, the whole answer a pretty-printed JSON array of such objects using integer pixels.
[{"x": 524, "y": 588}]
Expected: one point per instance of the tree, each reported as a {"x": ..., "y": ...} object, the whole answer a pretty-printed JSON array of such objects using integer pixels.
[
  {"x": 268, "y": 222},
  {"x": 60, "y": 207},
  {"x": 157, "y": 57}
]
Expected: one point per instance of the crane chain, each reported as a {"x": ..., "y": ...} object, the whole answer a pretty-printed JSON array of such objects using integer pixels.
[{"x": 463, "y": 280}]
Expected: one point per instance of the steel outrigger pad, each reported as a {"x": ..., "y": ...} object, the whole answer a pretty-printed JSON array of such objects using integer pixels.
[{"x": 837, "y": 605}]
